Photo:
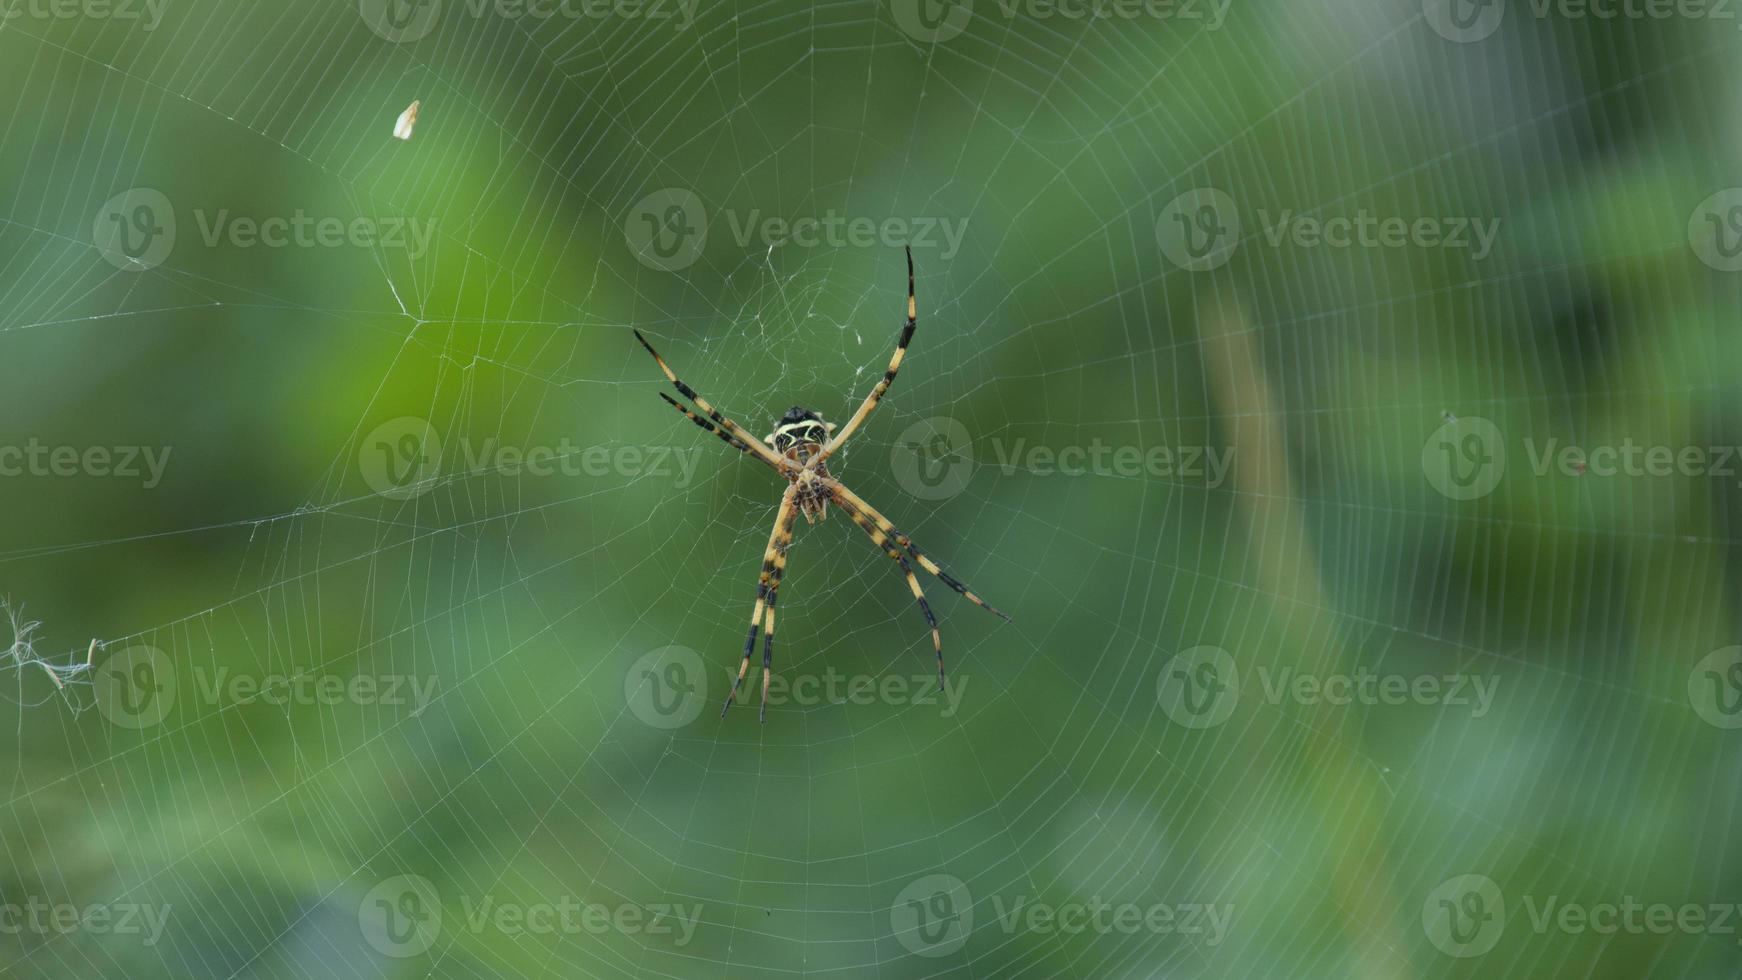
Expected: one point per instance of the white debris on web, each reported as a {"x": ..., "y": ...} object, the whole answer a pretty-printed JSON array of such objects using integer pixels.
[
  {"x": 20, "y": 653},
  {"x": 407, "y": 121}
]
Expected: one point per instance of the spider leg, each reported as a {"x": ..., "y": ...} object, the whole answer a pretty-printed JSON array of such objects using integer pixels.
[
  {"x": 882, "y": 388},
  {"x": 764, "y": 598},
  {"x": 745, "y": 439},
  {"x": 851, "y": 502},
  {"x": 881, "y": 540},
  {"x": 704, "y": 423},
  {"x": 774, "y": 594}
]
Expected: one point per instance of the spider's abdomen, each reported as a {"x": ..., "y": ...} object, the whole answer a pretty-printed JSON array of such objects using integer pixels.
[
  {"x": 799, "y": 436},
  {"x": 798, "y": 426}
]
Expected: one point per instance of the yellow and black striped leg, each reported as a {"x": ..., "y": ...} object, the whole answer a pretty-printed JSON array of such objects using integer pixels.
[
  {"x": 745, "y": 439},
  {"x": 704, "y": 423},
  {"x": 852, "y": 502},
  {"x": 877, "y": 393},
  {"x": 781, "y": 547},
  {"x": 882, "y": 541},
  {"x": 782, "y": 523}
]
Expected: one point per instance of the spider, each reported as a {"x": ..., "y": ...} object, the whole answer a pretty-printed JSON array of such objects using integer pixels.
[{"x": 798, "y": 449}]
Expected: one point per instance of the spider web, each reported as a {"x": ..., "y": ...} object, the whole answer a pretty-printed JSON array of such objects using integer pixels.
[{"x": 544, "y": 611}]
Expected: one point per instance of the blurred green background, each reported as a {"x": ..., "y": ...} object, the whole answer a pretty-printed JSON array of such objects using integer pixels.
[{"x": 364, "y": 680}]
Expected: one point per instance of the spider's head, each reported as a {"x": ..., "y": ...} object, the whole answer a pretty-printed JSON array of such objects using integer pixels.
[{"x": 799, "y": 425}]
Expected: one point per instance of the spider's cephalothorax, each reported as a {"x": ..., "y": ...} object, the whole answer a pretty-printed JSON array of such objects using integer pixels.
[
  {"x": 797, "y": 449},
  {"x": 799, "y": 436}
]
